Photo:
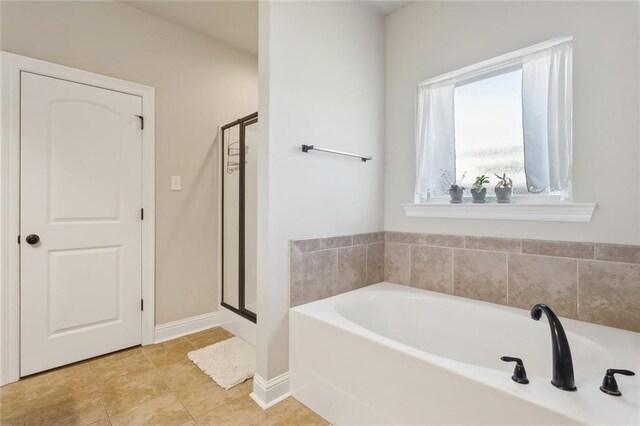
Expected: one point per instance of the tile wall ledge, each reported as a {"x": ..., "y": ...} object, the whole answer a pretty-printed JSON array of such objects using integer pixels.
[
  {"x": 608, "y": 252},
  {"x": 334, "y": 242},
  {"x": 542, "y": 212}
]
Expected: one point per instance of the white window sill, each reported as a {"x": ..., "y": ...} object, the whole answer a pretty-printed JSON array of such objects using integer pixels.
[{"x": 544, "y": 212}]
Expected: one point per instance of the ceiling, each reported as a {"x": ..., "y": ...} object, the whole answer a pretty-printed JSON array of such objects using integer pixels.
[
  {"x": 234, "y": 23},
  {"x": 386, "y": 7}
]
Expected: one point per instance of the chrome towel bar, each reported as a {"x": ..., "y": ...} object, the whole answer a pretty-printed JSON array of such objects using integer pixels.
[{"x": 307, "y": 148}]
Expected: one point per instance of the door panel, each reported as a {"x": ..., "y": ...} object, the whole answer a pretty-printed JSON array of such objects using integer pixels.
[
  {"x": 96, "y": 191},
  {"x": 69, "y": 269},
  {"x": 81, "y": 193}
]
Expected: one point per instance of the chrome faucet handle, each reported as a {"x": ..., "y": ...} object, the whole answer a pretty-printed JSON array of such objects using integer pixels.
[
  {"x": 519, "y": 373},
  {"x": 609, "y": 384}
]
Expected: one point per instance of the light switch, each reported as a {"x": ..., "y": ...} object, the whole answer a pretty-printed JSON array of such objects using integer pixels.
[{"x": 176, "y": 183}]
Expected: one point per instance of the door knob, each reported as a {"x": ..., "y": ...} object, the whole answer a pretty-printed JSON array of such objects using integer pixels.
[{"x": 32, "y": 239}]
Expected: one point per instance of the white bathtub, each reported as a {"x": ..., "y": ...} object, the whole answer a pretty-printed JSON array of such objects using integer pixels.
[{"x": 390, "y": 354}]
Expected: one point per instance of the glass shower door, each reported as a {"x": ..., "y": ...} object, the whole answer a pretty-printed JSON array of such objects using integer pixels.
[
  {"x": 239, "y": 221},
  {"x": 251, "y": 218}
]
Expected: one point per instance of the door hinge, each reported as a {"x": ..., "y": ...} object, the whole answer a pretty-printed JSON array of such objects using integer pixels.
[
  {"x": 141, "y": 214},
  {"x": 142, "y": 304},
  {"x": 141, "y": 121},
  {"x": 18, "y": 239}
]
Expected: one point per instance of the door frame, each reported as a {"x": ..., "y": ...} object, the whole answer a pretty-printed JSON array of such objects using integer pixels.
[{"x": 11, "y": 65}]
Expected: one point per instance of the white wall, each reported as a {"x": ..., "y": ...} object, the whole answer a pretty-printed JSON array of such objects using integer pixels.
[
  {"x": 321, "y": 82},
  {"x": 200, "y": 84},
  {"x": 426, "y": 39}
]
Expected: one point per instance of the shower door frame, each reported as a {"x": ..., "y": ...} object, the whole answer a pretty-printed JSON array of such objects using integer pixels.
[{"x": 241, "y": 309}]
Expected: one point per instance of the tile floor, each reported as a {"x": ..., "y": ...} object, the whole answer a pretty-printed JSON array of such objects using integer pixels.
[{"x": 154, "y": 384}]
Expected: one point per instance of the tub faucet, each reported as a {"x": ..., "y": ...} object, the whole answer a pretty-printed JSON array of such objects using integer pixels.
[{"x": 562, "y": 362}]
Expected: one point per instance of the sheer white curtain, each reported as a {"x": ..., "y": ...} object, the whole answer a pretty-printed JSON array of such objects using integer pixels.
[
  {"x": 547, "y": 119},
  {"x": 435, "y": 139}
]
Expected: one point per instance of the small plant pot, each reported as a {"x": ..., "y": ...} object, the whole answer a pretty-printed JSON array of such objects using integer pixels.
[
  {"x": 479, "y": 196},
  {"x": 503, "y": 195},
  {"x": 456, "y": 194}
]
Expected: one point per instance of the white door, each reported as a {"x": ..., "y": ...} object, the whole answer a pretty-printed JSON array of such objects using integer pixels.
[{"x": 81, "y": 195}]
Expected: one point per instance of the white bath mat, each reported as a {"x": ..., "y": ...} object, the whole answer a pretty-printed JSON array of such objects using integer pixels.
[{"x": 228, "y": 363}]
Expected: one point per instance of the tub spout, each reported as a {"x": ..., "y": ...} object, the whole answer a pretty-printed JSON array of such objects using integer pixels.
[{"x": 562, "y": 361}]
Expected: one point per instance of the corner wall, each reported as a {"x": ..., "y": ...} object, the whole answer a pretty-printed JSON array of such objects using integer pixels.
[
  {"x": 200, "y": 84},
  {"x": 321, "y": 83},
  {"x": 425, "y": 39}
]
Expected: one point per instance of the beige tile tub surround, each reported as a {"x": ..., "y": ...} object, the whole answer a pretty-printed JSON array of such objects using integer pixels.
[
  {"x": 617, "y": 253},
  {"x": 598, "y": 283},
  {"x": 593, "y": 282},
  {"x": 432, "y": 268},
  {"x": 494, "y": 244},
  {"x": 397, "y": 263},
  {"x": 536, "y": 278},
  {"x": 609, "y": 293},
  {"x": 480, "y": 275},
  {"x": 324, "y": 267},
  {"x": 558, "y": 249}
]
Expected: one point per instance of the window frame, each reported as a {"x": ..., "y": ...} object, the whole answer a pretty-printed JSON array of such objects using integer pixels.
[
  {"x": 483, "y": 70},
  {"x": 536, "y": 208}
]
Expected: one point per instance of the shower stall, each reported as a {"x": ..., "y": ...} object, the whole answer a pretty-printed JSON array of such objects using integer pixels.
[{"x": 238, "y": 216}]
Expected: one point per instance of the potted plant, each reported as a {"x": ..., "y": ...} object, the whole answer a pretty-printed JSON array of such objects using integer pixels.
[
  {"x": 503, "y": 188},
  {"x": 456, "y": 191},
  {"x": 478, "y": 189}
]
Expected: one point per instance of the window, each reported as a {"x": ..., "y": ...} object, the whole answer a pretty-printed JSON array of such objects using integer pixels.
[
  {"x": 488, "y": 129},
  {"x": 510, "y": 114}
]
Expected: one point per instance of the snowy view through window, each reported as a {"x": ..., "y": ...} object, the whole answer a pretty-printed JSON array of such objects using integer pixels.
[{"x": 488, "y": 130}]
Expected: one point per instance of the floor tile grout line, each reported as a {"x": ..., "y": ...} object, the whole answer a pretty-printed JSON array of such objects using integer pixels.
[
  {"x": 171, "y": 390},
  {"x": 175, "y": 395},
  {"x": 104, "y": 403},
  {"x": 56, "y": 377},
  {"x": 217, "y": 407}
]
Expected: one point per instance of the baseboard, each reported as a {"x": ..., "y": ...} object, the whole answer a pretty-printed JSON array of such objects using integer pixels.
[
  {"x": 267, "y": 393},
  {"x": 237, "y": 325},
  {"x": 172, "y": 330}
]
